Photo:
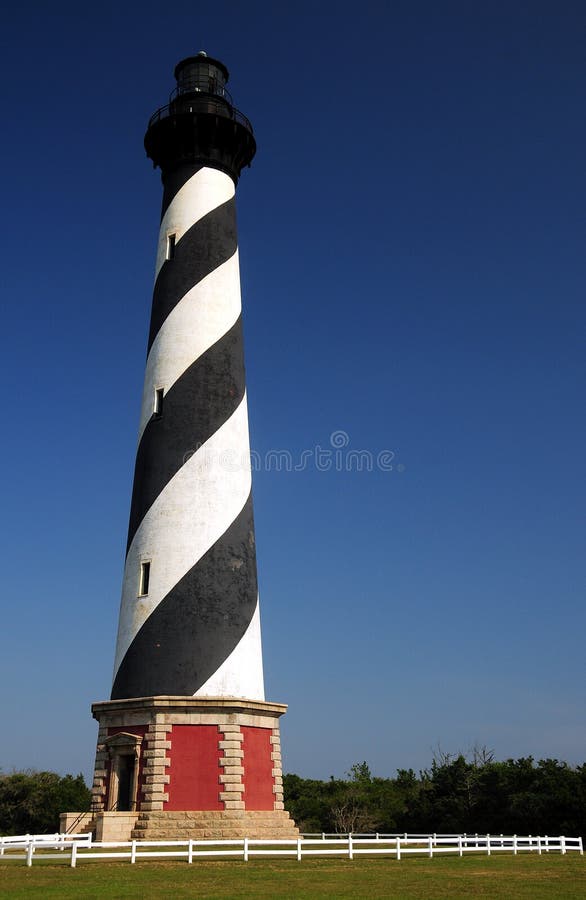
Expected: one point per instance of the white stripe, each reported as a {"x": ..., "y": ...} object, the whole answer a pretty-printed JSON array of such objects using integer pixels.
[
  {"x": 191, "y": 513},
  {"x": 240, "y": 675},
  {"x": 202, "y": 193},
  {"x": 200, "y": 319}
]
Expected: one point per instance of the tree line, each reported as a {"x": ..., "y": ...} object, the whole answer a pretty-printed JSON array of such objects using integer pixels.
[
  {"x": 457, "y": 794},
  {"x": 30, "y": 801}
]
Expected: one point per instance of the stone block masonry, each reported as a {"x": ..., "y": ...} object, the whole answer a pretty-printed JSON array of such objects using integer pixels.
[{"x": 191, "y": 758}]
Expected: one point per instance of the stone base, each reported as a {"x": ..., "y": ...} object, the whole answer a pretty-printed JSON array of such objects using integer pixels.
[
  {"x": 114, "y": 826},
  {"x": 188, "y": 767},
  {"x": 206, "y": 825},
  {"x": 216, "y": 825},
  {"x": 76, "y": 822}
]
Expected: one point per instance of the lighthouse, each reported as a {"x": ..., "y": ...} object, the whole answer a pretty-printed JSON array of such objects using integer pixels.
[{"x": 187, "y": 744}]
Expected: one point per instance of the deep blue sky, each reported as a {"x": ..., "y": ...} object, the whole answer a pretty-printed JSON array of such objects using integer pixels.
[{"x": 412, "y": 250}]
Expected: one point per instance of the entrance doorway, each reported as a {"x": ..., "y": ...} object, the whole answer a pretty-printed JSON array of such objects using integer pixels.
[
  {"x": 124, "y": 752},
  {"x": 126, "y": 767}
]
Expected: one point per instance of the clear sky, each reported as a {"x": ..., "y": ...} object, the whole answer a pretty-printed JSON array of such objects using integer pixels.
[{"x": 412, "y": 256}]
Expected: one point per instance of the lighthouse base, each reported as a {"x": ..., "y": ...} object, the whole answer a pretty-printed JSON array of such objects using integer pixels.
[{"x": 193, "y": 767}]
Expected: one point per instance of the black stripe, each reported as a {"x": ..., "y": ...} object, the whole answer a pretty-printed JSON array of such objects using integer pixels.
[
  {"x": 205, "y": 246},
  {"x": 199, "y": 402},
  {"x": 200, "y": 621},
  {"x": 174, "y": 180}
]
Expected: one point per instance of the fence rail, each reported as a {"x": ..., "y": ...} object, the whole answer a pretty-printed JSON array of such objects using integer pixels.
[
  {"x": 31, "y": 843},
  {"x": 349, "y": 846}
]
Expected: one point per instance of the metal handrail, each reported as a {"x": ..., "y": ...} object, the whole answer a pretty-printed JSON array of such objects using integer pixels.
[
  {"x": 189, "y": 104},
  {"x": 201, "y": 85},
  {"x": 94, "y": 808}
]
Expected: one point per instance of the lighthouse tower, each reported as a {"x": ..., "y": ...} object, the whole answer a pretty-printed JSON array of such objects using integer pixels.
[{"x": 187, "y": 744}]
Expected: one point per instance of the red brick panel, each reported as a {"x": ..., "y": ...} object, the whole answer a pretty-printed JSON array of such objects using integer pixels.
[
  {"x": 258, "y": 768},
  {"x": 194, "y": 771}
]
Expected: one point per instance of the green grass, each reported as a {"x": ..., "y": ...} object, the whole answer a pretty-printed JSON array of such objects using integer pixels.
[{"x": 506, "y": 876}]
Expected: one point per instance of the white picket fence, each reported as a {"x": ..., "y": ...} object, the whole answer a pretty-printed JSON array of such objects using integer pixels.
[{"x": 349, "y": 846}]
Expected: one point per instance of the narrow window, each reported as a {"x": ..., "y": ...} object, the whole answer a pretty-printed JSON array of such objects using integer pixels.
[
  {"x": 171, "y": 246},
  {"x": 158, "y": 409},
  {"x": 145, "y": 574}
]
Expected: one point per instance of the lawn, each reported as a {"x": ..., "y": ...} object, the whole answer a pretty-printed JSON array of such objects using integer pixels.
[{"x": 533, "y": 877}]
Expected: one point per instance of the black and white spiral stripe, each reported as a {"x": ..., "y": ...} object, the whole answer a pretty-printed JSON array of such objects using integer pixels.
[{"x": 197, "y": 631}]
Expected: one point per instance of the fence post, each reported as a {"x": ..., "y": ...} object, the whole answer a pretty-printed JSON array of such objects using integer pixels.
[
  {"x": 190, "y": 851},
  {"x": 299, "y": 849},
  {"x": 29, "y": 853},
  {"x": 460, "y": 845},
  {"x": 514, "y": 845},
  {"x": 488, "y": 844},
  {"x": 563, "y": 844},
  {"x": 580, "y": 846},
  {"x": 245, "y": 849},
  {"x": 1, "y": 846},
  {"x": 73, "y": 855},
  {"x": 539, "y": 846},
  {"x": 377, "y": 836},
  {"x": 398, "y": 847},
  {"x": 133, "y": 852},
  {"x": 430, "y": 847},
  {"x": 350, "y": 848}
]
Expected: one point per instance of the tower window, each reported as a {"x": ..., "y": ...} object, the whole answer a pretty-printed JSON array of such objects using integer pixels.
[
  {"x": 145, "y": 575},
  {"x": 158, "y": 406},
  {"x": 171, "y": 246}
]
